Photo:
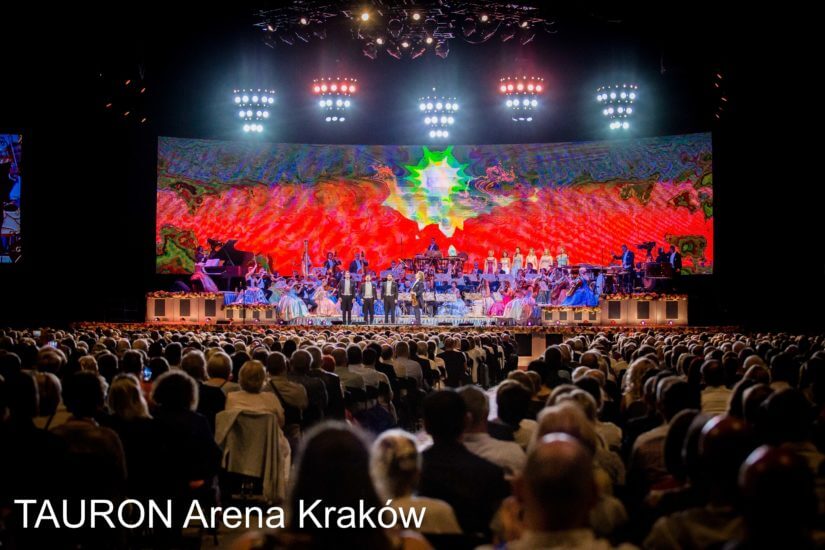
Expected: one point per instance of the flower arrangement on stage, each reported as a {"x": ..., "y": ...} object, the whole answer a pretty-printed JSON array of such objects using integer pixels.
[
  {"x": 645, "y": 296},
  {"x": 185, "y": 295},
  {"x": 575, "y": 309},
  {"x": 566, "y": 331},
  {"x": 252, "y": 307}
]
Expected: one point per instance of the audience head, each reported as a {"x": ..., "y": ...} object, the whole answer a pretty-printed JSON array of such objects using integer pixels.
[
  {"x": 445, "y": 416},
  {"x": 175, "y": 391},
  {"x": 252, "y": 376}
]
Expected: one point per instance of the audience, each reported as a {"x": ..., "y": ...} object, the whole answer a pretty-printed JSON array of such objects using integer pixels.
[{"x": 536, "y": 460}]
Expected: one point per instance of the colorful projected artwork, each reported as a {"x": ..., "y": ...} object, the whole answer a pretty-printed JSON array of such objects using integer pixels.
[
  {"x": 389, "y": 201},
  {"x": 10, "y": 179}
]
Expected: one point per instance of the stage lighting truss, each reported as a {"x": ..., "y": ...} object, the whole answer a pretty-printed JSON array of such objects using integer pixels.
[
  {"x": 404, "y": 29},
  {"x": 334, "y": 96},
  {"x": 618, "y": 104},
  {"x": 439, "y": 115},
  {"x": 253, "y": 107},
  {"x": 522, "y": 96}
]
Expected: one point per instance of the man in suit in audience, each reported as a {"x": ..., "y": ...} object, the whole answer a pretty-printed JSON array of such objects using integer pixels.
[
  {"x": 455, "y": 363},
  {"x": 346, "y": 292},
  {"x": 389, "y": 294},
  {"x": 473, "y": 486},
  {"x": 368, "y": 293}
]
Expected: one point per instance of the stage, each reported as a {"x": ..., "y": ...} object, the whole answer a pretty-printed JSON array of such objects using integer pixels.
[{"x": 630, "y": 310}]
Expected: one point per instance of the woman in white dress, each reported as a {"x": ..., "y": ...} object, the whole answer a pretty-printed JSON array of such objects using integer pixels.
[
  {"x": 518, "y": 262},
  {"x": 546, "y": 260},
  {"x": 505, "y": 262},
  {"x": 531, "y": 260}
]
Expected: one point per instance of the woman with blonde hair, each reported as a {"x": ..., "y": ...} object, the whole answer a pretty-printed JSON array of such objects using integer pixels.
[
  {"x": 395, "y": 467},
  {"x": 138, "y": 433}
]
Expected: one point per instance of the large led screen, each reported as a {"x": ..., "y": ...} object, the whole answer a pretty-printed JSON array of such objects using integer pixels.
[
  {"x": 390, "y": 201},
  {"x": 11, "y": 146}
]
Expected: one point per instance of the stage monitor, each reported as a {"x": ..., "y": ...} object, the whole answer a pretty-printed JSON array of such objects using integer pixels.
[
  {"x": 11, "y": 244},
  {"x": 389, "y": 201}
]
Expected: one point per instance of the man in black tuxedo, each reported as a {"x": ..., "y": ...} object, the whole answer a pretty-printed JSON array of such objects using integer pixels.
[
  {"x": 369, "y": 292},
  {"x": 346, "y": 292},
  {"x": 358, "y": 264},
  {"x": 389, "y": 294},
  {"x": 628, "y": 267},
  {"x": 675, "y": 260},
  {"x": 433, "y": 246}
]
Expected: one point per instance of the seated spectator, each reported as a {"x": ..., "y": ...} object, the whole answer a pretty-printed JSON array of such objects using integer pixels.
[
  {"x": 473, "y": 486},
  {"x": 343, "y": 482},
  {"x": 219, "y": 371},
  {"x": 316, "y": 391},
  {"x": 211, "y": 400},
  {"x": 192, "y": 457},
  {"x": 779, "y": 501},
  {"x": 406, "y": 367},
  {"x": 251, "y": 396},
  {"x": 137, "y": 432},
  {"x": 52, "y": 411},
  {"x": 556, "y": 493},
  {"x": 513, "y": 405},
  {"x": 455, "y": 363},
  {"x": 508, "y": 455},
  {"x": 292, "y": 397},
  {"x": 724, "y": 444},
  {"x": 396, "y": 468},
  {"x": 715, "y": 396},
  {"x": 348, "y": 378},
  {"x": 96, "y": 457}
]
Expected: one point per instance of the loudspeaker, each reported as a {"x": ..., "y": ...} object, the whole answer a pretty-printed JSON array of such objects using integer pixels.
[
  {"x": 524, "y": 342},
  {"x": 553, "y": 339}
]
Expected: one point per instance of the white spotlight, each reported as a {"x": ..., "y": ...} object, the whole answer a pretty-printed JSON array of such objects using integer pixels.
[
  {"x": 432, "y": 133},
  {"x": 620, "y": 109},
  {"x": 271, "y": 100},
  {"x": 534, "y": 103},
  {"x": 254, "y": 99},
  {"x": 346, "y": 103},
  {"x": 625, "y": 125},
  {"x": 242, "y": 114},
  {"x": 438, "y": 106},
  {"x": 246, "y": 127},
  {"x": 427, "y": 120},
  {"x": 632, "y": 95},
  {"x": 249, "y": 113},
  {"x": 446, "y": 133},
  {"x": 258, "y": 114},
  {"x": 237, "y": 99},
  {"x": 338, "y": 103},
  {"x": 266, "y": 114},
  {"x": 429, "y": 106},
  {"x": 263, "y": 99},
  {"x": 612, "y": 95},
  {"x": 328, "y": 119},
  {"x": 509, "y": 102},
  {"x": 629, "y": 110},
  {"x": 443, "y": 120},
  {"x": 450, "y": 120},
  {"x": 422, "y": 106},
  {"x": 245, "y": 99},
  {"x": 322, "y": 103},
  {"x": 623, "y": 95}
]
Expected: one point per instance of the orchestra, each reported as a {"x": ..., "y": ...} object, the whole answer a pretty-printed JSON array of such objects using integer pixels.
[{"x": 432, "y": 284}]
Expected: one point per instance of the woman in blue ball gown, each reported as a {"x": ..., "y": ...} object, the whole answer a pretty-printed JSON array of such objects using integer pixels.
[
  {"x": 580, "y": 293},
  {"x": 292, "y": 307}
]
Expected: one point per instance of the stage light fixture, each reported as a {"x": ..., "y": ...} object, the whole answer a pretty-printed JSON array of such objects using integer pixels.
[
  {"x": 522, "y": 95},
  {"x": 439, "y": 113},
  {"x": 254, "y": 105},
  {"x": 336, "y": 94},
  {"x": 365, "y": 16},
  {"x": 617, "y": 101}
]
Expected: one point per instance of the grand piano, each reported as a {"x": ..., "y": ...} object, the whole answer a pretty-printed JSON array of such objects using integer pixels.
[{"x": 231, "y": 263}]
